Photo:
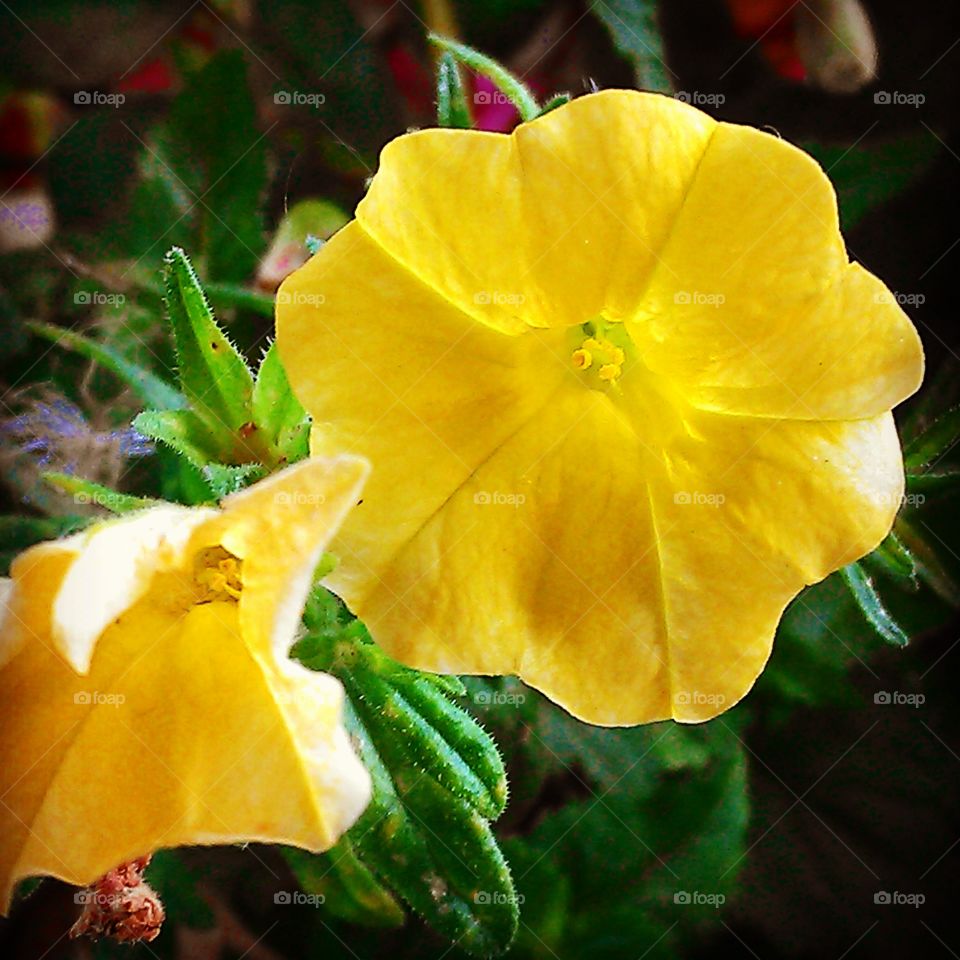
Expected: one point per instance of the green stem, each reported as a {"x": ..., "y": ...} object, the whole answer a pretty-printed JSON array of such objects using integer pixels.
[{"x": 512, "y": 88}]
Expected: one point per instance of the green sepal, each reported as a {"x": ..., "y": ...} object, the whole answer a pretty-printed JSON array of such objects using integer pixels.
[
  {"x": 557, "y": 100},
  {"x": 408, "y": 711},
  {"x": 185, "y": 432},
  {"x": 225, "y": 478},
  {"x": 277, "y": 413},
  {"x": 895, "y": 560},
  {"x": 452, "y": 107},
  {"x": 434, "y": 849},
  {"x": 512, "y": 88},
  {"x": 153, "y": 390},
  {"x": 871, "y": 605},
  {"x": 213, "y": 375},
  {"x": 420, "y": 728},
  {"x": 438, "y": 778},
  {"x": 87, "y": 492},
  {"x": 350, "y": 889}
]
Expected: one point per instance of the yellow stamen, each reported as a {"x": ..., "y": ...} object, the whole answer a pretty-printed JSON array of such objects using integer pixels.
[
  {"x": 609, "y": 372},
  {"x": 582, "y": 359},
  {"x": 218, "y": 574}
]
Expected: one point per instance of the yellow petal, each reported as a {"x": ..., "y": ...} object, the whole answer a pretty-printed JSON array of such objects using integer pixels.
[
  {"x": 115, "y": 565},
  {"x": 748, "y": 513},
  {"x": 846, "y": 353},
  {"x": 191, "y": 724},
  {"x": 604, "y": 179},
  {"x": 279, "y": 528},
  {"x": 758, "y": 366},
  {"x": 28, "y": 611},
  {"x": 176, "y": 735},
  {"x": 447, "y": 207},
  {"x": 630, "y": 589},
  {"x": 541, "y": 226},
  {"x": 409, "y": 381}
]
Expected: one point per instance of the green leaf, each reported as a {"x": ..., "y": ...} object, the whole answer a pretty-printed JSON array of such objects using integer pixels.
[
  {"x": 153, "y": 390},
  {"x": 636, "y": 833},
  {"x": 452, "y": 107},
  {"x": 277, "y": 413},
  {"x": 437, "y": 777},
  {"x": 183, "y": 431},
  {"x": 350, "y": 889},
  {"x": 929, "y": 452},
  {"x": 213, "y": 375},
  {"x": 863, "y": 589},
  {"x": 87, "y": 492},
  {"x": 635, "y": 29},
  {"x": 512, "y": 88}
]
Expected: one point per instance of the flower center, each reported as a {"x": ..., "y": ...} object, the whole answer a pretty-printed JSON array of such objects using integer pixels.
[
  {"x": 601, "y": 349},
  {"x": 217, "y": 575}
]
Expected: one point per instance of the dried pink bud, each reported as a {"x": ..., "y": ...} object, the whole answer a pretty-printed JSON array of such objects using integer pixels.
[{"x": 121, "y": 906}]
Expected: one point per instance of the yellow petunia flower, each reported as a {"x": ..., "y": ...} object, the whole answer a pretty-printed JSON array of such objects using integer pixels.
[
  {"x": 624, "y": 394},
  {"x": 146, "y": 694}
]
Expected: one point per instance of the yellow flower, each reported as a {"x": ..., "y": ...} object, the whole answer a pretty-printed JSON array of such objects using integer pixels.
[
  {"x": 147, "y": 698},
  {"x": 623, "y": 392}
]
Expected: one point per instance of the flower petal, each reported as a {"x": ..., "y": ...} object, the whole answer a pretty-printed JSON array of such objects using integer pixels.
[
  {"x": 40, "y": 572},
  {"x": 115, "y": 563},
  {"x": 446, "y": 205},
  {"x": 279, "y": 528},
  {"x": 846, "y": 353},
  {"x": 605, "y": 178},
  {"x": 749, "y": 512},
  {"x": 407, "y": 379},
  {"x": 518, "y": 228},
  {"x": 630, "y": 588},
  {"x": 176, "y": 736}
]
